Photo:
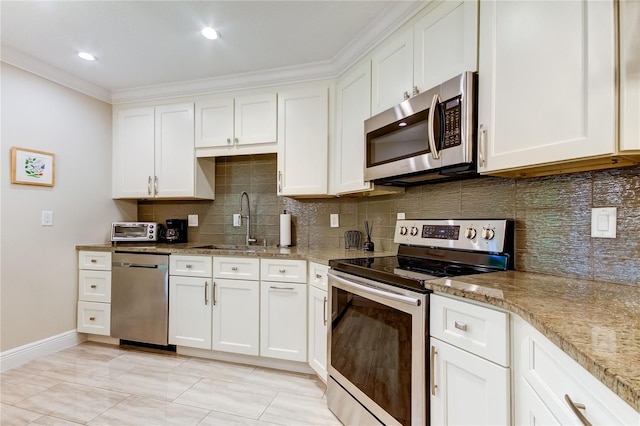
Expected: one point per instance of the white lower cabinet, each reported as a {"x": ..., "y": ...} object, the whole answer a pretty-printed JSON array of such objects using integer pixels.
[
  {"x": 94, "y": 292},
  {"x": 236, "y": 316},
  {"x": 469, "y": 374},
  {"x": 190, "y": 311},
  {"x": 467, "y": 389},
  {"x": 283, "y": 311},
  {"x": 548, "y": 382},
  {"x": 318, "y": 319},
  {"x": 190, "y": 301}
]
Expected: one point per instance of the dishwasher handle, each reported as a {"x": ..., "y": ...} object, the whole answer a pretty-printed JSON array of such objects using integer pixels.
[{"x": 135, "y": 265}]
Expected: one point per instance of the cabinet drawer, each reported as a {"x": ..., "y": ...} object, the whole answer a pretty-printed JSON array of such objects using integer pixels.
[
  {"x": 552, "y": 374},
  {"x": 479, "y": 330},
  {"x": 94, "y": 286},
  {"x": 190, "y": 266},
  {"x": 96, "y": 260},
  {"x": 245, "y": 268},
  {"x": 284, "y": 270},
  {"x": 318, "y": 275},
  {"x": 94, "y": 318}
]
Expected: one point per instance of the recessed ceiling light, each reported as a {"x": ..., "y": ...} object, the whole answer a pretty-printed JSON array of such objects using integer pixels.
[
  {"x": 87, "y": 56},
  {"x": 210, "y": 33}
]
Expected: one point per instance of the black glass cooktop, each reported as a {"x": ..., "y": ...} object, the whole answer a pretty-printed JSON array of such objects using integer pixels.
[{"x": 402, "y": 271}]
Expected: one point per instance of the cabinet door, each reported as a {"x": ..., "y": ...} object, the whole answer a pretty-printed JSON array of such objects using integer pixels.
[
  {"x": 318, "y": 331},
  {"x": 214, "y": 123},
  {"x": 546, "y": 93},
  {"x": 256, "y": 119},
  {"x": 392, "y": 72},
  {"x": 629, "y": 75},
  {"x": 353, "y": 108},
  {"x": 466, "y": 389},
  {"x": 283, "y": 321},
  {"x": 190, "y": 311},
  {"x": 94, "y": 318},
  {"x": 133, "y": 153},
  {"x": 445, "y": 43},
  {"x": 175, "y": 153},
  {"x": 303, "y": 120},
  {"x": 529, "y": 408},
  {"x": 236, "y": 316}
]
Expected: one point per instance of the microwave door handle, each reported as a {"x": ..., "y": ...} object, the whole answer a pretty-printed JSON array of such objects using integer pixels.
[{"x": 432, "y": 139}]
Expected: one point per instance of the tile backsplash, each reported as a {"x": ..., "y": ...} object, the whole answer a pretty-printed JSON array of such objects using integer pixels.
[{"x": 552, "y": 214}]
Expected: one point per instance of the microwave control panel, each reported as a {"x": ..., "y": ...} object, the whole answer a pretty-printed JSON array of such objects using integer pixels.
[{"x": 452, "y": 122}]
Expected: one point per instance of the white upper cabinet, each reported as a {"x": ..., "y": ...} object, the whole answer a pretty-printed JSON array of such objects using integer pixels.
[
  {"x": 303, "y": 138},
  {"x": 546, "y": 82},
  {"x": 240, "y": 125},
  {"x": 629, "y": 75},
  {"x": 439, "y": 46},
  {"x": 353, "y": 108},
  {"x": 445, "y": 43},
  {"x": 154, "y": 157}
]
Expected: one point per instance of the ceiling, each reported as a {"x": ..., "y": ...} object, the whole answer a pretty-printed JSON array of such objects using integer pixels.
[{"x": 145, "y": 47}]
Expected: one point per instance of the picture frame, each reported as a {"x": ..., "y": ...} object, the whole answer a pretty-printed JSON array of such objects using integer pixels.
[{"x": 32, "y": 167}]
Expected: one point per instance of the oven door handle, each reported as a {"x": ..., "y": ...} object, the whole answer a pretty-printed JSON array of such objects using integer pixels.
[{"x": 372, "y": 290}]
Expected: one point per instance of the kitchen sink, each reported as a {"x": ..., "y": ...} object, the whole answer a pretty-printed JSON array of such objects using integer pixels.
[{"x": 230, "y": 247}]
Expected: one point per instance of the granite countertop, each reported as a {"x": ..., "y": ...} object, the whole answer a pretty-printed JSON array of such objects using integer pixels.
[{"x": 595, "y": 323}]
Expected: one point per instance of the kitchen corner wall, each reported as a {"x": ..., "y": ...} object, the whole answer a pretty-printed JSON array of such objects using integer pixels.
[{"x": 552, "y": 214}]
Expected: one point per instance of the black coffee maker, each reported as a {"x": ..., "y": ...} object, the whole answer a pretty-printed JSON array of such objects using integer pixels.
[{"x": 176, "y": 231}]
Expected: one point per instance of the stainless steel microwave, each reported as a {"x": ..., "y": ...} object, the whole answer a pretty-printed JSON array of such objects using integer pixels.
[
  {"x": 430, "y": 137},
  {"x": 134, "y": 231}
]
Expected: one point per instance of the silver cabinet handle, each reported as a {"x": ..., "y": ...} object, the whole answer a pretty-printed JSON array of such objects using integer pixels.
[
  {"x": 149, "y": 186},
  {"x": 234, "y": 268},
  {"x": 92, "y": 318},
  {"x": 93, "y": 261},
  {"x": 481, "y": 145},
  {"x": 206, "y": 291},
  {"x": 576, "y": 407},
  {"x": 416, "y": 91},
  {"x": 405, "y": 96},
  {"x": 282, "y": 288},
  {"x": 155, "y": 185},
  {"x": 188, "y": 266},
  {"x": 214, "y": 293},
  {"x": 432, "y": 139},
  {"x": 279, "y": 181},
  {"x": 318, "y": 276},
  {"x": 324, "y": 310},
  {"x": 432, "y": 370},
  {"x": 93, "y": 286},
  {"x": 228, "y": 141},
  {"x": 460, "y": 326},
  {"x": 282, "y": 271},
  {"x": 235, "y": 141}
]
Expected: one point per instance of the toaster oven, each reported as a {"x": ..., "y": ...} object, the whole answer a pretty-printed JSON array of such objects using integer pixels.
[{"x": 134, "y": 231}]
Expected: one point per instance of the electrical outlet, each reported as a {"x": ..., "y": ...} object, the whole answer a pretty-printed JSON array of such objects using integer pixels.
[
  {"x": 334, "y": 220},
  {"x": 47, "y": 218},
  {"x": 400, "y": 216},
  {"x": 237, "y": 220},
  {"x": 193, "y": 219}
]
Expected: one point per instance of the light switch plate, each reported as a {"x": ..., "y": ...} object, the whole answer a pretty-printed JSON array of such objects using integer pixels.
[
  {"x": 47, "y": 218},
  {"x": 193, "y": 219},
  {"x": 603, "y": 222},
  {"x": 335, "y": 220}
]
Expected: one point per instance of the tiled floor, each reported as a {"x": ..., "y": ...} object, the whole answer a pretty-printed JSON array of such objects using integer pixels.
[{"x": 96, "y": 384}]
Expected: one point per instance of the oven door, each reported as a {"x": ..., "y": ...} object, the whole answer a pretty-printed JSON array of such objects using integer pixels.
[{"x": 376, "y": 356}]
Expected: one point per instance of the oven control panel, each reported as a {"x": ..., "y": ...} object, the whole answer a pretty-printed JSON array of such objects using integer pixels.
[{"x": 486, "y": 235}]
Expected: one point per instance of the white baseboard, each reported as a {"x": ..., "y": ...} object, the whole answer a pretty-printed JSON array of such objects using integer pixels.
[
  {"x": 22, "y": 354},
  {"x": 258, "y": 361}
]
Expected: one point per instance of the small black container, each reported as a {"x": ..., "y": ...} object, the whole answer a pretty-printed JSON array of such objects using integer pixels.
[{"x": 368, "y": 245}]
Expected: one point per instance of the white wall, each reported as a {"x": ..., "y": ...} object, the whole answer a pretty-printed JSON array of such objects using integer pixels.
[{"x": 38, "y": 265}]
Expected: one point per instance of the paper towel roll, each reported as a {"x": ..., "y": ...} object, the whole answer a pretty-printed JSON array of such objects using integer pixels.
[{"x": 285, "y": 229}]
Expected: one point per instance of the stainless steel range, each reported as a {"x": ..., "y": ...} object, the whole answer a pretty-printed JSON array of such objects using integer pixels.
[{"x": 380, "y": 310}]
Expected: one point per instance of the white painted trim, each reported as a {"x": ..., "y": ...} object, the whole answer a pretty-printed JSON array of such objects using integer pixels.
[
  {"x": 258, "y": 361},
  {"x": 20, "y": 355}
]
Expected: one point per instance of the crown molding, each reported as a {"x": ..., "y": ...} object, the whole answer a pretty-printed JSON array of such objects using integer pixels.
[{"x": 35, "y": 66}]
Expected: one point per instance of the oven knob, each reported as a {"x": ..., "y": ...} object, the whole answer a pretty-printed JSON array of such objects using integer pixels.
[
  {"x": 488, "y": 234},
  {"x": 470, "y": 233},
  {"x": 403, "y": 230},
  {"x": 414, "y": 231}
]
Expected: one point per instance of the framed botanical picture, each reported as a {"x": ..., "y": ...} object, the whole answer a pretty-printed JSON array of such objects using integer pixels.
[{"x": 31, "y": 167}]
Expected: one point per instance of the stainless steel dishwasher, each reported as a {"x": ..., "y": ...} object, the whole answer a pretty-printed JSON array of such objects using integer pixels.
[{"x": 140, "y": 297}]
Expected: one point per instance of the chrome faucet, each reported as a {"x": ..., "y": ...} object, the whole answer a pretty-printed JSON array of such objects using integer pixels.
[{"x": 249, "y": 240}]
